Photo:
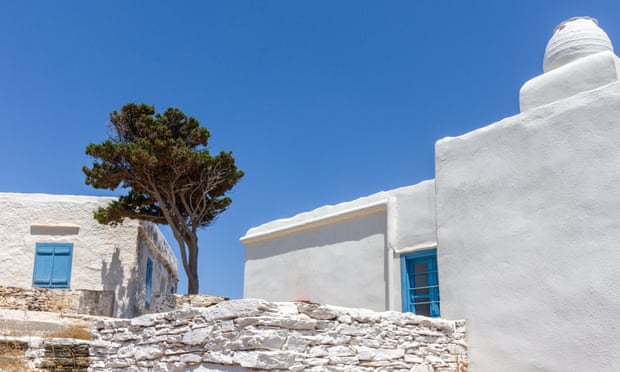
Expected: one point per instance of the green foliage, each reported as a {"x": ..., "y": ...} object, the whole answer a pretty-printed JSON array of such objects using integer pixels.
[{"x": 164, "y": 162}]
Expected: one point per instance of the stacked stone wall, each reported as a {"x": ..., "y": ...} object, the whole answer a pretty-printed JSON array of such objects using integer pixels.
[
  {"x": 48, "y": 354},
  {"x": 259, "y": 335},
  {"x": 170, "y": 302},
  {"x": 78, "y": 301}
]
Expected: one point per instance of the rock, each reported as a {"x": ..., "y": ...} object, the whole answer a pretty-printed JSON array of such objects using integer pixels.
[
  {"x": 197, "y": 336},
  {"x": 317, "y": 311},
  {"x": 340, "y": 351},
  {"x": 389, "y": 354},
  {"x": 255, "y": 334},
  {"x": 148, "y": 353},
  {"x": 190, "y": 358},
  {"x": 217, "y": 357}
]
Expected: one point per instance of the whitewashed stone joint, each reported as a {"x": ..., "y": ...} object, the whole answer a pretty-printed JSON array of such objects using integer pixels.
[{"x": 259, "y": 335}]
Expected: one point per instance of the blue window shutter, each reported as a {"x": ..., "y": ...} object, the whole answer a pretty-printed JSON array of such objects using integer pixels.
[
  {"x": 419, "y": 283},
  {"x": 61, "y": 272},
  {"x": 43, "y": 263},
  {"x": 149, "y": 277},
  {"x": 52, "y": 265}
]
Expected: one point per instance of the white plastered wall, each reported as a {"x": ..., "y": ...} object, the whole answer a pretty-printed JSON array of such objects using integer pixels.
[
  {"x": 411, "y": 228},
  {"x": 346, "y": 255},
  {"x": 104, "y": 257},
  {"x": 340, "y": 263},
  {"x": 152, "y": 245},
  {"x": 528, "y": 228}
]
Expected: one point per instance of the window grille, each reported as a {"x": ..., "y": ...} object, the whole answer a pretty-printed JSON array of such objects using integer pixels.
[{"x": 420, "y": 285}]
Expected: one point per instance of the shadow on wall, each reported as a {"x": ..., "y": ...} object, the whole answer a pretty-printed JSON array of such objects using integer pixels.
[
  {"x": 321, "y": 263},
  {"x": 112, "y": 278},
  {"x": 350, "y": 230},
  {"x": 62, "y": 230}
]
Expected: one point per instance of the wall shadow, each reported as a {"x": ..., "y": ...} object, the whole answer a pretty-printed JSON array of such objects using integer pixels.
[{"x": 112, "y": 275}]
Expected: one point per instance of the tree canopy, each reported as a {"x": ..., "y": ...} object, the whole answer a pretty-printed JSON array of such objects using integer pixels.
[{"x": 164, "y": 162}]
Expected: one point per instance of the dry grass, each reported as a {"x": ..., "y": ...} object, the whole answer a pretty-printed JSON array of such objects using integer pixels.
[
  {"x": 12, "y": 357},
  {"x": 461, "y": 365},
  {"x": 69, "y": 332}
]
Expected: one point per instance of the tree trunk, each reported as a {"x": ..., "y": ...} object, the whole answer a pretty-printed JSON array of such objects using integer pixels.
[
  {"x": 192, "y": 274},
  {"x": 189, "y": 258}
]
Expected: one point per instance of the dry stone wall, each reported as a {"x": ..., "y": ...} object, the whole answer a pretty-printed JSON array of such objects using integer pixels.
[
  {"x": 259, "y": 335},
  {"x": 169, "y": 302},
  {"x": 80, "y": 301},
  {"x": 47, "y": 354}
]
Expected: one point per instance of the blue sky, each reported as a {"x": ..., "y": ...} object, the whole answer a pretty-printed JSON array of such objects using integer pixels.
[{"x": 320, "y": 101}]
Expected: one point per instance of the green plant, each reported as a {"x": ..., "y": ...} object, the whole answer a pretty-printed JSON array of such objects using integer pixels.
[{"x": 163, "y": 162}]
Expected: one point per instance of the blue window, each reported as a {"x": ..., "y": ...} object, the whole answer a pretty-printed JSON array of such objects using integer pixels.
[
  {"x": 419, "y": 283},
  {"x": 52, "y": 265},
  {"x": 149, "y": 277}
]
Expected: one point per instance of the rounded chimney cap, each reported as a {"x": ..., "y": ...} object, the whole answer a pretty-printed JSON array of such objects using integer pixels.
[{"x": 573, "y": 39}]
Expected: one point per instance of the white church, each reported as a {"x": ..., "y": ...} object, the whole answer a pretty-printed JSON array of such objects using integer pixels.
[{"x": 518, "y": 234}]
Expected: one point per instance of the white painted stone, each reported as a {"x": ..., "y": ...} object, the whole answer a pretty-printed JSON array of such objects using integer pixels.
[
  {"x": 318, "y": 351},
  {"x": 287, "y": 308},
  {"x": 248, "y": 359},
  {"x": 456, "y": 349},
  {"x": 217, "y": 357},
  {"x": 297, "y": 343},
  {"x": 125, "y": 336},
  {"x": 297, "y": 367},
  {"x": 127, "y": 352},
  {"x": 190, "y": 358},
  {"x": 275, "y": 360},
  {"x": 343, "y": 360},
  {"x": 340, "y": 351},
  {"x": 197, "y": 336},
  {"x": 294, "y": 323},
  {"x": 317, "y": 312},
  {"x": 234, "y": 309},
  {"x": 421, "y": 368},
  {"x": 272, "y": 341},
  {"x": 344, "y": 318},
  {"x": 146, "y": 320},
  {"x": 365, "y": 353},
  {"x": 389, "y": 354},
  {"x": 213, "y": 368},
  {"x": 412, "y": 358},
  {"x": 353, "y": 330},
  {"x": 331, "y": 338},
  {"x": 148, "y": 353},
  {"x": 116, "y": 363},
  {"x": 316, "y": 361}
]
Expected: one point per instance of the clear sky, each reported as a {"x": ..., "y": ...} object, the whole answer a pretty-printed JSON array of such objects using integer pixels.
[{"x": 320, "y": 101}]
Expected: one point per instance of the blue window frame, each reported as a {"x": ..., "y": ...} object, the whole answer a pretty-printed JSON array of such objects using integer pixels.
[
  {"x": 149, "y": 277},
  {"x": 52, "y": 265},
  {"x": 420, "y": 286}
]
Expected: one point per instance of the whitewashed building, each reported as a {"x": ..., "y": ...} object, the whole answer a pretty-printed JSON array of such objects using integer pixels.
[
  {"x": 53, "y": 241},
  {"x": 347, "y": 254},
  {"x": 518, "y": 234}
]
